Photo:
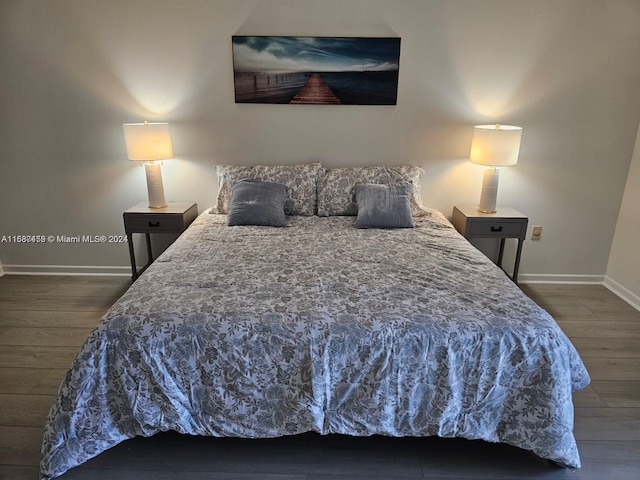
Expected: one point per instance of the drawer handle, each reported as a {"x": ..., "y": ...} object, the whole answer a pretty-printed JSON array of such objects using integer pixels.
[
  {"x": 154, "y": 224},
  {"x": 496, "y": 229}
]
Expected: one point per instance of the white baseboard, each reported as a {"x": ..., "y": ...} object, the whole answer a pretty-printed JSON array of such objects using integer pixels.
[
  {"x": 623, "y": 292},
  {"x": 559, "y": 278},
  {"x": 66, "y": 270}
]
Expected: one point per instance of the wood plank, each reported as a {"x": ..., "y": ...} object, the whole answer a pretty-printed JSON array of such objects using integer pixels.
[
  {"x": 20, "y": 445},
  {"x": 124, "y": 280},
  {"x": 109, "y": 291},
  {"x": 618, "y": 394},
  {"x": 48, "y": 319},
  {"x": 610, "y": 424},
  {"x": 601, "y": 330},
  {"x": 588, "y": 397},
  {"x": 19, "y": 380},
  {"x": 612, "y": 347},
  {"x": 29, "y": 356},
  {"x": 613, "y": 313},
  {"x": 33, "y": 279},
  {"x": 587, "y": 295},
  {"x": 55, "y": 337},
  {"x": 13, "y": 472},
  {"x": 623, "y": 369},
  {"x": 8, "y": 289},
  {"x": 24, "y": 410},
  {"x": 50, "y": 384},
  {"x": 78, "y": 304},
  {"x": 37, "y": 381},
  {"x": 570, "y": 312},
  {"x": 604, "y": 460},
  {"x": 66, "y": 279}
]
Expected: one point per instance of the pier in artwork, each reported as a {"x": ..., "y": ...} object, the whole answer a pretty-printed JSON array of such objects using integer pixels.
[{"x": 315, "y": 91}]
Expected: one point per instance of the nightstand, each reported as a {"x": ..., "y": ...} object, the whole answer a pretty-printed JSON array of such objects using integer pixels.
[
  {"x": 505, "y": 223},
  {"x": 174, "y": 218}
]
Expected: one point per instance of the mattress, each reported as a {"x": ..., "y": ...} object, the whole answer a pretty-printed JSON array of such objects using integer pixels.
[{"x": 320, "y": 327}]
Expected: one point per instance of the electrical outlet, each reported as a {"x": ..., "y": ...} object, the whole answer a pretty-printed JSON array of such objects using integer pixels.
[{"x": 536, "y": 233}]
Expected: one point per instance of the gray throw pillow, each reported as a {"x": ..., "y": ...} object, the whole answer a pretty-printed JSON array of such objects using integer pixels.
[
  {"x": 384, "y": 206},
  {"x": 257, "y": 203}
]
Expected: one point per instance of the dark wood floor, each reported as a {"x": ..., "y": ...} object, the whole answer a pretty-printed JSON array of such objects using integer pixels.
[{"x": 43, "y": 321}]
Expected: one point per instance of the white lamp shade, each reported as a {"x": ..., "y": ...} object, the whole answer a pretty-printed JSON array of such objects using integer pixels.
[
  {"x": 495, "y": 145},
  {"x": 148, "y": 141}
]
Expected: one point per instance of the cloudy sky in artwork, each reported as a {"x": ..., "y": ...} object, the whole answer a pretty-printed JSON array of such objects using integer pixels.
[{"x": 315, "y": 54}]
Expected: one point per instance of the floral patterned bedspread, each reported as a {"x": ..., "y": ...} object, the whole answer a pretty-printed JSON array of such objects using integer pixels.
[{"x": 320, "y": 326}]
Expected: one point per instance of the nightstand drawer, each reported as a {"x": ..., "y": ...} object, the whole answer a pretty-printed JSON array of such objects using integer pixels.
[
  {"x": 174, "y": 218},
  {"x": 154, "y": 223},
  {"x": 498, "y": 229},
  {"x": 503, "y": 224}
]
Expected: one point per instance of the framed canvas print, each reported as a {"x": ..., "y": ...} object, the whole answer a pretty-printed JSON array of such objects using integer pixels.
[{"x": 316, "y": 70}]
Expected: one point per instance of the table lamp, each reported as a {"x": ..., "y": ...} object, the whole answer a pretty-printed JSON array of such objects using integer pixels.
[
  {"x": 150, "y": 142},
  {"x": 494, "y": 146}
]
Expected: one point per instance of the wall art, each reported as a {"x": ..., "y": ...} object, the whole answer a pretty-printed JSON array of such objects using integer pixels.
[{"x": 316, "y": 70}]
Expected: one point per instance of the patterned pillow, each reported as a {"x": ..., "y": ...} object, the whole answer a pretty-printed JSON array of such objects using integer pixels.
[
  {"x": 337, "y": 187},
  {"x": 299, "y": 180}
]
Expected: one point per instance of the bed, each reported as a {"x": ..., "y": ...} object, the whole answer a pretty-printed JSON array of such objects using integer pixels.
[{"x": 319, "y": 326}]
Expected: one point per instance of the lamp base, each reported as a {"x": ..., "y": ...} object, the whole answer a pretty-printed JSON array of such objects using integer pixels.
[
  {"x": 480, "y": 210},
  {"x": 155, "y": 189},
  {"x": 489, "y": 194}
]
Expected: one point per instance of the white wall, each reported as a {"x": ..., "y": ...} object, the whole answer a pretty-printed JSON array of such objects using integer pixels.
[
  {"x": 623, "y": 271},
  {"x": 75, "y": 70}
]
